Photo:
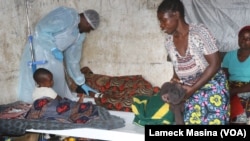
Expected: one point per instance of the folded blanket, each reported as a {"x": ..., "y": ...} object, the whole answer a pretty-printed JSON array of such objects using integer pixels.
[
  {"x": 151, "y": 110},
  {"x": 17, "y": 110}
]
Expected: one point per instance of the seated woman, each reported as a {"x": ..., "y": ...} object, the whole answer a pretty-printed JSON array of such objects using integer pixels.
[{"x": 236, "y": 65}]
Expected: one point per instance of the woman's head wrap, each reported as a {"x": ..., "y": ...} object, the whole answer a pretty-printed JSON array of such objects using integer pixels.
[{"x": 245, "y": 28}]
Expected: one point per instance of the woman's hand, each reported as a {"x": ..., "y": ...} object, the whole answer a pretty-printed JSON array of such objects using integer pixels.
[
  {"x": 233, "y": 91},
  {"x": 189, "y": 91},
  {"x": 175, "y": 80}
]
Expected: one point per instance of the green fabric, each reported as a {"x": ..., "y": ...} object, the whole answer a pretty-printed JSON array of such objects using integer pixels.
[{"x": 145, "y": 108}]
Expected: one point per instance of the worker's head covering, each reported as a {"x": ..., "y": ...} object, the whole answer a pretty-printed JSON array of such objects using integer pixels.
[
  {"x": 245, "y": 28},
  {"x": 92, "y": 17}
]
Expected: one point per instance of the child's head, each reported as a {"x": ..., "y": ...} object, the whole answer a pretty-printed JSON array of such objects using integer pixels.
[
  {"x": 43, "y": 77},
  {"x": 172, "y": 93}
]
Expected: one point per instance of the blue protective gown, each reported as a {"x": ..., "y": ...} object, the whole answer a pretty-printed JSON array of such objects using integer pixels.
[{"x": 57, "y": 29}]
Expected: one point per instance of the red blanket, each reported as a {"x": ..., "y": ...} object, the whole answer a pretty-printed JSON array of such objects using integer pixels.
[{"x": 118, "y": 90}]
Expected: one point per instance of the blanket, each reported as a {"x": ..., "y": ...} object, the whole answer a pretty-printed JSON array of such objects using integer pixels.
[
  {"x": 118, "y": 91},
  {"x": 151, "y": 110},
  {"x": 63, "y": 110},
  {"x": 54, "y": 114}
]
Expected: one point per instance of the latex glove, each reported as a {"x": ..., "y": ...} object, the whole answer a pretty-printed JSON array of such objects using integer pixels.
[
  {"x": 57, "y": 54},
  {"x": 86, "y": 88}
]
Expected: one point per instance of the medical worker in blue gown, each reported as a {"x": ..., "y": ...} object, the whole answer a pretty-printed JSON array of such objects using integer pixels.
[{"x": 58, "y": 40}]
